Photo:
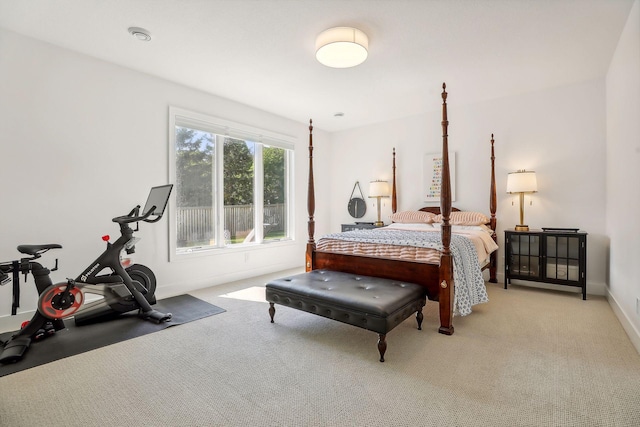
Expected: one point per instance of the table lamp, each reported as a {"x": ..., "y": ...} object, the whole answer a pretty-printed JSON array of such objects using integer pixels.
[
  {"x": 522, "y": 182},
  {"x": 377, "y": 190}
]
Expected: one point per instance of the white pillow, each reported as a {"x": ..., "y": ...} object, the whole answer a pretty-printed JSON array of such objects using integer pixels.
[
  {"x": 421, "y": 226},
  {"x": 467, "y": 227}
]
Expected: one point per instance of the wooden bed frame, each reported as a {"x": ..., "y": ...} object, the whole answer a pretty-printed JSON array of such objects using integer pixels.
[{"x": 436, "y": 279}]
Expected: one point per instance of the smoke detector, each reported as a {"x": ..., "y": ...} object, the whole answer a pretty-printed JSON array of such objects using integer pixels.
[{"x": 140, "y": 34}]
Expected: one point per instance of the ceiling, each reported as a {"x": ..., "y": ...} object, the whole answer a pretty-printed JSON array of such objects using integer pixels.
[{"x": 261, "y": 52}]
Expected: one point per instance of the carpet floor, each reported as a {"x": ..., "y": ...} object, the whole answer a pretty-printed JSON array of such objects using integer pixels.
[{"x": 529, "y": 357}]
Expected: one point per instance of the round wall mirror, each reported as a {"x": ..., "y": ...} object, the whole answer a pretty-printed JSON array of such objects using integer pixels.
[{"x": 357, "y": 207}]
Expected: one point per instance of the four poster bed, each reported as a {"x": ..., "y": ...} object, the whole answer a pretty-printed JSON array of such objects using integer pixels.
[{"x": 434, "y": 273}]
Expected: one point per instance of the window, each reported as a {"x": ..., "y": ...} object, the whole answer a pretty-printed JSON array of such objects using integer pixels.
[{"x": 232, "y": 184}]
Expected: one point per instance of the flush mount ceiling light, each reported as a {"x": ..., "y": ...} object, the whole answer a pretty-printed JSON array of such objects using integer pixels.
[
  {"x": 342, "y": 47},
  {"x": 140, "y": 33}
]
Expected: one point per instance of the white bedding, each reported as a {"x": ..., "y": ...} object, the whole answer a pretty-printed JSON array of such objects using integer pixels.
[
  {"x": 480, "y": 236},
  {"x": 422, "y": 243}
]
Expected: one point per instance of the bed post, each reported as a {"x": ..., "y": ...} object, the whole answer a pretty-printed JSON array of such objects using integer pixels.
[
  {"x": 446, "y": 260},
  {"x": 493, "y": 205},
  {"x": 394, "y": 194},
  {"x": 311, "y": 206}
]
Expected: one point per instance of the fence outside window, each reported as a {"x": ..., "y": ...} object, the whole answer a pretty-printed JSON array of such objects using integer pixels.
[{"x": 195, "y": 224}]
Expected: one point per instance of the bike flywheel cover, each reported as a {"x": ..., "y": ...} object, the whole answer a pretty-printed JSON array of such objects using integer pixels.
[{"x": 55, "y": 303}]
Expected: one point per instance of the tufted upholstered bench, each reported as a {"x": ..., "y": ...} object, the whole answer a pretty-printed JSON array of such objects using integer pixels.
[{"x": 371, "y": 303}]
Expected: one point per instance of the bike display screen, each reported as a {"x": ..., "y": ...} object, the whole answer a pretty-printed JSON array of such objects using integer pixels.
[{"x": 158, "y": 197}]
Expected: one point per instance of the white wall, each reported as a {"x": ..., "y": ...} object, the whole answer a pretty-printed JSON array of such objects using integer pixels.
[
  {"x": 559, "y": 133},
  {"x": 623, "y": 176},
  {"x": 84, "y": 140}
]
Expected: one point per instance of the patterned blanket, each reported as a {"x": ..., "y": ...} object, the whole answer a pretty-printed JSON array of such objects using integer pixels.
[{"x": 467, "y": 274}]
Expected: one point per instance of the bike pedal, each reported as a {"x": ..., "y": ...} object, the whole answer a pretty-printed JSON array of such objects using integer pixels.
[
  {"x": 46, "y": 331},
  {"x": 39, "y": 335},
  {"x": 49, "y": 329}
]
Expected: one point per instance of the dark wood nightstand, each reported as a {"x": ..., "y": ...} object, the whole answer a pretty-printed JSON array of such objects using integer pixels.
[
  {"x": 361, "y": 226},
  {"x": 553, "y": 256}
]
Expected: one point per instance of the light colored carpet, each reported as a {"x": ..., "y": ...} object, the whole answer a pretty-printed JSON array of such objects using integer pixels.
[{"x": 529, "y": 357}]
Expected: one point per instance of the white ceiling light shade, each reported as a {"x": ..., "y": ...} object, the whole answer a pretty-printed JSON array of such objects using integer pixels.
[
  {"x": 342, "y": 47},
  {"x": 140, "y": 33}
]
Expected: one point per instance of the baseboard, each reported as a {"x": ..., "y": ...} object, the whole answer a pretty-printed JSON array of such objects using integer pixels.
[{"x": 625, "y": 321}]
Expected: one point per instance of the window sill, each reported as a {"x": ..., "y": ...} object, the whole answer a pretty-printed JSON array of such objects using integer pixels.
[{"x": 232, "y": 249}]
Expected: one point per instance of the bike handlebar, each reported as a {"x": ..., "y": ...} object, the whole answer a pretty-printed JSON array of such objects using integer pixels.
[{"x": 134, "y": 217}]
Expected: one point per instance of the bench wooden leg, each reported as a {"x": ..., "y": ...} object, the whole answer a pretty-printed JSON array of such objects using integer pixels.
[
  {"x": 382, "y": 345},
  {"x": 419, "y": 317},
  {"x": 272, "y": 311}
]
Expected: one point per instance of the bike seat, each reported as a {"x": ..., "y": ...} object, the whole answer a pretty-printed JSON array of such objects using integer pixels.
[{"x": 35, "y": 249}]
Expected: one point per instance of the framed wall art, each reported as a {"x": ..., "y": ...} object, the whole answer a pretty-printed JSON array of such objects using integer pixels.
[{"x": 432, "y": 176}]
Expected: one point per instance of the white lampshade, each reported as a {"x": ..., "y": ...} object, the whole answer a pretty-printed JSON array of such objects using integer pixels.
[
  {"x": 379, "y": 189},
  {"x": 342, "y": 47},
  {"x": 522, "y": 182}
]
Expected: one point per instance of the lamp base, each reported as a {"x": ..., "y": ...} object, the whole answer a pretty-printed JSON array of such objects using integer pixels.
[
  {"x": 379, "y": 224},
  {"x": 522, "y": 227}
]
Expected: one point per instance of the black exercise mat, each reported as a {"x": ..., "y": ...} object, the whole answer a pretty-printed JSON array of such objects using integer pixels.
[{"x": 78, "y": 339}]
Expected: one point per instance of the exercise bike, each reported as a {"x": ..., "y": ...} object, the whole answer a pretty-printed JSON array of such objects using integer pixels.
[
  {"x": 38, "y": 327},
  {"x": 121, "y": 289}
]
